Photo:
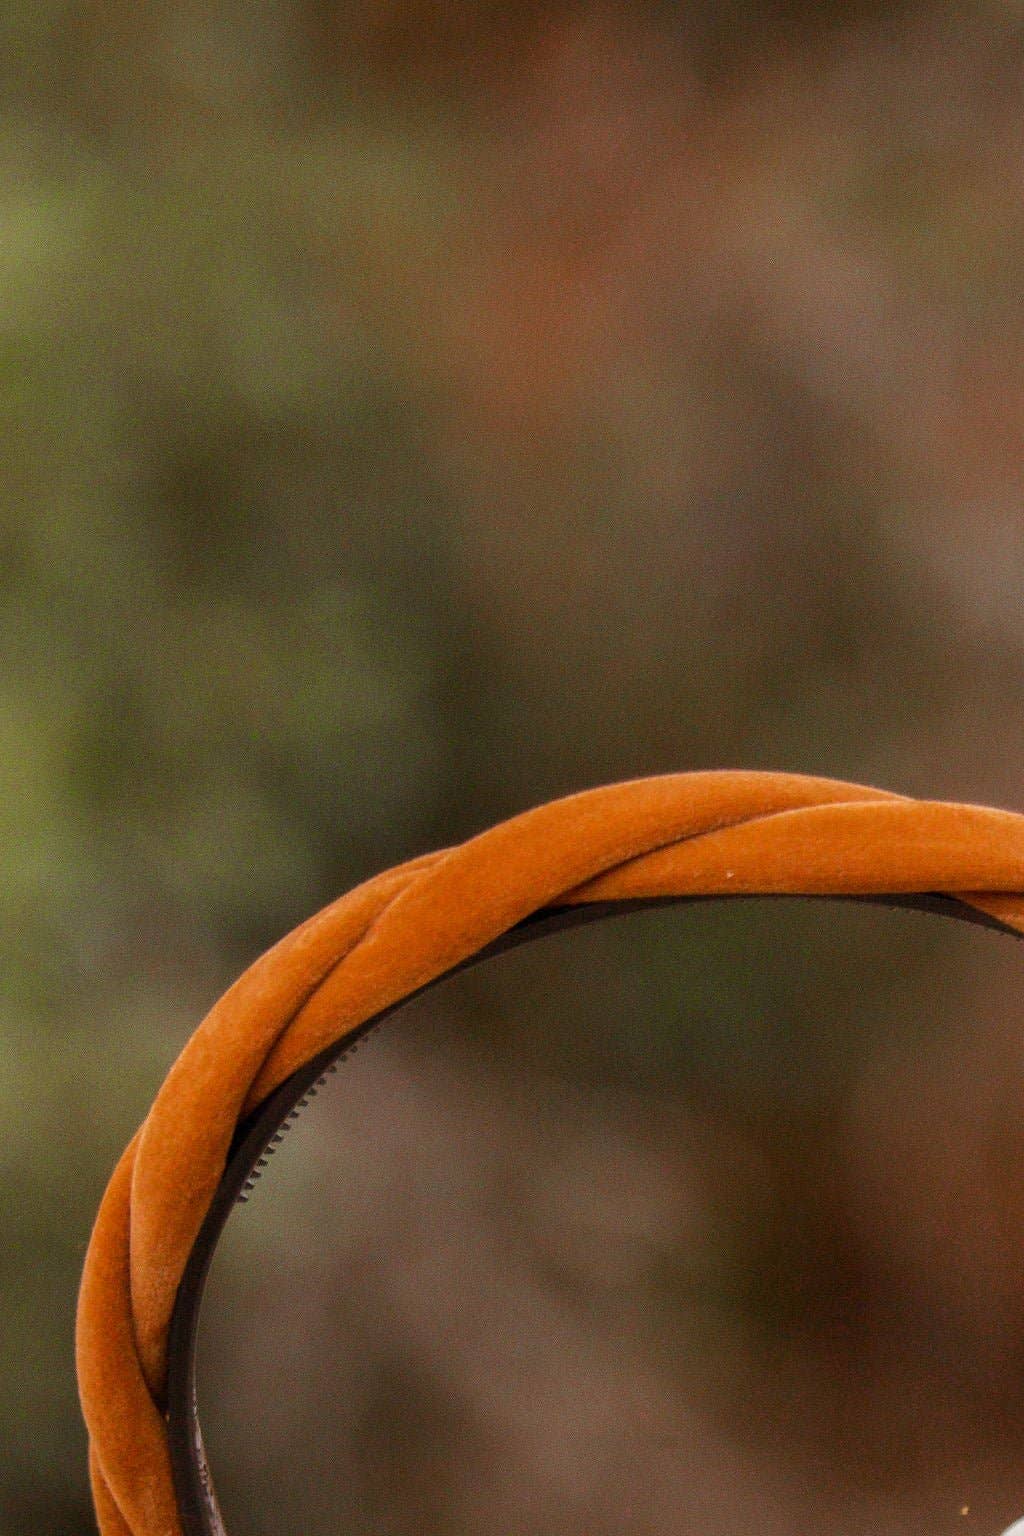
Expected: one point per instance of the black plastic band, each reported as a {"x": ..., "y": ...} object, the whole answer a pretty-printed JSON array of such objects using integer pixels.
[{"x": 197, "y": 1502}]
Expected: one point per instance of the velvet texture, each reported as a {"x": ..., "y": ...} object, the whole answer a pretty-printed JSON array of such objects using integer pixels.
[{"x": 681, "y": 834}]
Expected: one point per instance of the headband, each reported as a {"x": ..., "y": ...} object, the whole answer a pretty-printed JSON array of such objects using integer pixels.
[{"x": 287, "y": 1019}]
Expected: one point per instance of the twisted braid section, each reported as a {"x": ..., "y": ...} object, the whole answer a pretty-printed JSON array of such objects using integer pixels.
[{"x": 693, "y": 834}]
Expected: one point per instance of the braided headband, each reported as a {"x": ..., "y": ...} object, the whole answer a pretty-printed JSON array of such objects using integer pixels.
[{"x": 302, "y": 1003}]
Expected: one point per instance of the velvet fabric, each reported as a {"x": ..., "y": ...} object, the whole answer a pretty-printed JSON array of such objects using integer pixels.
[{"x": 713, "y": 833}]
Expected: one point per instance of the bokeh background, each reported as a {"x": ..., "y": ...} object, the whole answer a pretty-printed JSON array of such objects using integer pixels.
[{"x": 414, "y": 411}]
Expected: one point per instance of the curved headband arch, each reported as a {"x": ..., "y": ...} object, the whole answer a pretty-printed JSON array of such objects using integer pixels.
[{"x": 678, "y": 837}]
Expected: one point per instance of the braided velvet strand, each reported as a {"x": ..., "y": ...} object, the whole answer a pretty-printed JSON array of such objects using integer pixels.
[{"x": 714, "y": 833}]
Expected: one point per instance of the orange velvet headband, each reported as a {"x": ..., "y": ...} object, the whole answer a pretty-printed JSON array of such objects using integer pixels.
[{"x": 681, "y": 835}]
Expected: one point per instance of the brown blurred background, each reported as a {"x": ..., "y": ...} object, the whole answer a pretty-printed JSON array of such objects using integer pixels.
[{"x": 414, "y": 411}]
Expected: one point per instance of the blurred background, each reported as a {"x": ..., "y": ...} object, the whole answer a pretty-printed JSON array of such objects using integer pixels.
[{"x": 412, "y": 412}]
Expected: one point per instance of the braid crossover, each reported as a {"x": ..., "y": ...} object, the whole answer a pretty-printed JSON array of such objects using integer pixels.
[{"x": 688, "y": 834}]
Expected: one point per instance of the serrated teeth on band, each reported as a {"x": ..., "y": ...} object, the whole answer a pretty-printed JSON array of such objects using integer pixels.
[{"x": 293, "y": 1114}]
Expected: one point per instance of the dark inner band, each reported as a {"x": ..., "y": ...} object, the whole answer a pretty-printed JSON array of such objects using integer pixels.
[{"x": 197, "y": 1503}]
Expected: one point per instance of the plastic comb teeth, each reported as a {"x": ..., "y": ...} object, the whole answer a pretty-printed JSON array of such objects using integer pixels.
[{"x": 293, "y": 1114}]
